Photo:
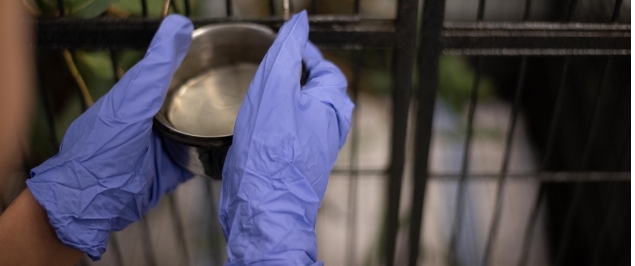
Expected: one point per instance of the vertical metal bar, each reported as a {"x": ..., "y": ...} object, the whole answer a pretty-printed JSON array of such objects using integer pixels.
[
  {"x": 179, "y": 230},
  {"x": 352, "y": 189},
  {"x": 272, "y": 8},
  {"x": 573, "y": 4},
  {"x": 550, "y": 140},
  {"x": 144, "y": 8},
  {"x": 356, "y": 7},
  {"x": 527, "y": 10},
  {"x": 462, "y": 182},
  {"x": 114, "y": 62},
  {"x": 186, "y": 6},
  {"x": 215, "y": 238},
  {"x": 556, "y": 115},
  {"x": 460, "y": 194},
  {"x": 402, "y": 65},
  {"x": 148, "y": 251},
  {"x": 616, "y": 10},
  {"x": 626, "y": 149},
  {"x": 116, "y": 250},
  {"x": 529, "y": 229},
  {"x": 498, "y": 207},
  {"x": 229, "y": 7},
  {"x": 175, "y": 9},
  {"x": 481, "y": 10},
  {"x": 606, "y": 224},
  {"x": 626, "y": 258},
  {"x": 609, "y": 207},
  {"x": 428, "y": 63},
  {"x": 60, "y": 7},
  {"x": 586, "y": 155},
  {"x": 524, "y": 257}
]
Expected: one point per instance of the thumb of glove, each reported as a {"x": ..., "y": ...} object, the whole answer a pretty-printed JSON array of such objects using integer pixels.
[{"x": 142, "y": 90}]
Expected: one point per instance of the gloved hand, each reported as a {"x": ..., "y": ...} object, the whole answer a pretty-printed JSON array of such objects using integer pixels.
[
  {"x": 286, "y": 140},
  {"x": 111, "y": 167}
]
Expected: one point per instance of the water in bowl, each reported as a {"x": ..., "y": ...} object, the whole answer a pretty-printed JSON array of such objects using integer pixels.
[{"x": 207, "y": 104}]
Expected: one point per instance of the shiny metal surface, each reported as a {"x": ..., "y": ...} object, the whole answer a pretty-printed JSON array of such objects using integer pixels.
[
  {"x": 197, "y": 118},
  {"x": 219, "y": 92}
]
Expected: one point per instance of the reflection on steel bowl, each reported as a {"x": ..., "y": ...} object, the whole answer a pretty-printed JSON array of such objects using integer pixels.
[{"x": 196, "y": 121}]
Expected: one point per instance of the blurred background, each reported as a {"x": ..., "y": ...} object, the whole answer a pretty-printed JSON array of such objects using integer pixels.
[{"x": 487, "y": 132}]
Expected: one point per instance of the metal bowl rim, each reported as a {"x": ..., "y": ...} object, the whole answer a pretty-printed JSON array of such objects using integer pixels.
[{"x": 165, "y": 126}]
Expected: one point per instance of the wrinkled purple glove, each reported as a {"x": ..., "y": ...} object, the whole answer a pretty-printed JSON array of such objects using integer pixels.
[
  {"x": 111, "y": 167},
  {"x": 286, "y": 140}
]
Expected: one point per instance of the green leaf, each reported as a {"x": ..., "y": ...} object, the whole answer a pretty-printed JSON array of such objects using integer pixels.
[
  {"x": 47, "y": 7},
  {"x": 89, "y": 8},
  {"x": 75, "y": 8},
  {"x": 68, "y": 114},
  {"x": 134, "y": 6},
  {"x": 128, "y": 58},
  {"x": 96, "y": 69},
  {"x": 455, "y": 82}
]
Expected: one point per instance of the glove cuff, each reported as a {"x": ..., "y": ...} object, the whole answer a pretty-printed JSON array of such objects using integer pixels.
[
  {"x": 63, "y": 204},
  {"x": 91, "y": 241}
]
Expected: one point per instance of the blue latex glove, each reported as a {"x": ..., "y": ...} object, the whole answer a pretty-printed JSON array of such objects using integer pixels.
[
  {"x": 286, "y": 141},
  {"x": 111, "y": 167}
]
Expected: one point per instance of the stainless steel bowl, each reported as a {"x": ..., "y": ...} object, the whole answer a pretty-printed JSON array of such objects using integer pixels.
[{"x": 197, "y": 118}]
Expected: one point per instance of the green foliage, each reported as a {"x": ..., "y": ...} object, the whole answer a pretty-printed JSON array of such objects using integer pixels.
[
  {"x": 74, "y": 8},
  {"x": 94, "y": 8},
  {"x": 456, "y": 76},
  {"x": 88, "y": 8},
  {"x": 376, "y": 81},
  {"x": 41, "y": 148},
  {"x": 456, "y": 79},
  {"x": 96, "y": 69},
  {"x": 133, "y": 7}
]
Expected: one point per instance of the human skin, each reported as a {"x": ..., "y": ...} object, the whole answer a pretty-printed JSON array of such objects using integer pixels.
[{"x": 26, "y": 237}]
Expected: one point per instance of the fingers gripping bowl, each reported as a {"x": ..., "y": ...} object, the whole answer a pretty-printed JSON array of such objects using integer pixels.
[{"x": 197, "y": 119}]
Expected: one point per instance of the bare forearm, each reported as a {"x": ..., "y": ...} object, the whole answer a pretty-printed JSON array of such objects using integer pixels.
[{"x": 27, "y": 238}]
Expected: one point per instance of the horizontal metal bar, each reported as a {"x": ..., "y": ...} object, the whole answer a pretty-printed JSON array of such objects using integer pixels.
[
  {"x": 535, "y": 52},
  {"x": 553, "y": 177},
  {"x": 539, "y": 176},
  {"x": 136, "y": 33},
  {"x": 359, "y": 171},
  {"x": 536, "y": 26},
  {"x": 479, "y": 38},
  {"x": 533, "y": 38}
]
